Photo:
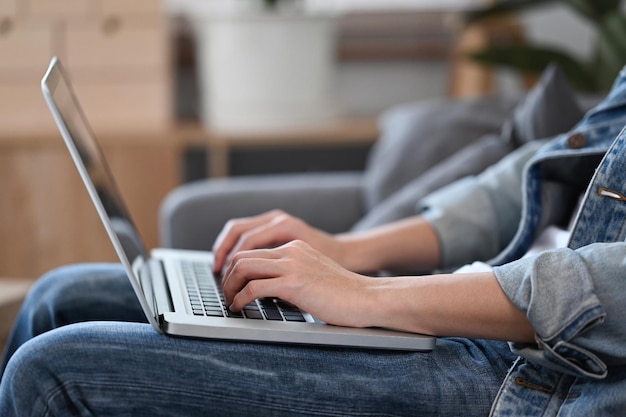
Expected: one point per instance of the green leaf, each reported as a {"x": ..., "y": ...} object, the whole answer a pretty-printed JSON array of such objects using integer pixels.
[
  {"x": 503, "y": 7},
  {"x": 603, "y": 76},
  {"x": 598, "y": 74},
  {"x": 536, "y": 59},
  {"x": 594, "y": 9},
  {"x": 270, "y": 4},
  {"x": 611, "y": 48},
  {"x": 612, "y": 31},
  {"x": 586, "y": 8}
]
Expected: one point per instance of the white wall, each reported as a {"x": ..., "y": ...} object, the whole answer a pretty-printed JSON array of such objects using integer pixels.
[{"x": 371, "y": 87}]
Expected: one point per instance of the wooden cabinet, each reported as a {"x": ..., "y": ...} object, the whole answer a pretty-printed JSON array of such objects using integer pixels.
[
  {"x": 17, "y": 36},
  {"x": 117, "y": 53},
  {"x": 57, "y": 8},
  {"x": 117, "y": 56},
  {"x": 114, "y": 44},
  {"x": 126, "y": 7},
  {"x": 130, "y": 107},
  {"x": 46, "y": 216},
  {"x": 22, "y": 109},
  {"x": 8, "y": 8}
]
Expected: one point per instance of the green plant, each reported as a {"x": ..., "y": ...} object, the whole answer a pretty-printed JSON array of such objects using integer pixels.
[
  {"x": 592, "y": 75},
  {"x": 272, "y": 4}
]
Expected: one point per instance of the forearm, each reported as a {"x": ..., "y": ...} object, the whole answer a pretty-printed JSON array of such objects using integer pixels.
[
  {"x": 410, "y": 243},
  {"x": 466, "y": 305}
]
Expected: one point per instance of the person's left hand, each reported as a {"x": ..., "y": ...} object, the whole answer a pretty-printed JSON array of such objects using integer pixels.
[
  {"x": 270, "y": 229},
  {"x": 298, "y": 274}
]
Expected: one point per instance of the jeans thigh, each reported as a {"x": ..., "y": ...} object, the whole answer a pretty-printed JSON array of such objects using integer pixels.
[{"x": 128, "y": 369}]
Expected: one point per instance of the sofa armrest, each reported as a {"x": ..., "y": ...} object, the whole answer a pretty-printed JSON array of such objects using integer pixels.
[{"x": 192, "y": 215}]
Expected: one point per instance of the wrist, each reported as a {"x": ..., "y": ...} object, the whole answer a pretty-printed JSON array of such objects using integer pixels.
[
  {"x": 395, "y": 303},
  {"x": 409, "y": 244},
  {"x": 354, "y": 255}
]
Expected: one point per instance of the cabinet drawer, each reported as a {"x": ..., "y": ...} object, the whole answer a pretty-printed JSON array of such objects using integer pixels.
[
  {"x": 130, "y": 7},
  {"x": 115, "y": 43},
  {"x": 134, "y": 106},
  {"x": 59, "y": 8},
  {"x": 23, "y": 111},
  {"x": 8, "y": 8},
  {"x": 25, "y": 44}
]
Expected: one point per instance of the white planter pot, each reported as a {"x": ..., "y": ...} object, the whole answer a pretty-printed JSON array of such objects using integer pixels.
[{"x": 266, "y": 70}]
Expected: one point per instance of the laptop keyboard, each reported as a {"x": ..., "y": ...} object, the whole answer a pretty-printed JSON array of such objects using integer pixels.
[{"x": 206, "y": 298}]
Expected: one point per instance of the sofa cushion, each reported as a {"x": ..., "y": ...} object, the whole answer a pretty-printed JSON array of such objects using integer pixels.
[
  {"x": 415, "y": 137},
  {"x": 467, "y": 161},
  {"x": 549, "y": 108}
]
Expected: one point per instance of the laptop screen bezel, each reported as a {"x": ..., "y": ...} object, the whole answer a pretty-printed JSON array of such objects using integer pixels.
[{"x": 53, "y": 78}]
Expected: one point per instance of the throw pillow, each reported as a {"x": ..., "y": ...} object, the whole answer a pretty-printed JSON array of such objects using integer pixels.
[
  {"x": 415, "y": 137},
  {"x": 397, "y": 178},
  {"x": 549, "y": 108},
  {"x": 467, "y": 161}
]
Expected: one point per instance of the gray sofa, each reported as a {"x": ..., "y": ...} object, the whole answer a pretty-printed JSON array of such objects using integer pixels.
[{"x": 422, "y": 147}]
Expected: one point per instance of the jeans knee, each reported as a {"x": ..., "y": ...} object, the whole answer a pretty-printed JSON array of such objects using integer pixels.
[
  {"x": 70, "y": 279},
  {"x": 48, "y": 294},
  {"x": 21, "y": 388},
  {"x": 66, "y": 288},
  {"x": 42, "y": 375}
]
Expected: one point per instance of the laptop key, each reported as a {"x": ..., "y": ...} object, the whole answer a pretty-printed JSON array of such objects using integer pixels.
[
  {"x": 212, "y": 304},
  {"x": 253, "y": 314},
  {"x": 272, "y": 314},
  {"x": 294, "y": 317},
  {"x": 234, "y": 314}
]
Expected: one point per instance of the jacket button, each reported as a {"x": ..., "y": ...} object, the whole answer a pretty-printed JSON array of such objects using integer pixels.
[{"x": 576, "y": 141}]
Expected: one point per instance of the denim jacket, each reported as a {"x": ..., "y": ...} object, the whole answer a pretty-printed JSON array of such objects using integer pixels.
[{"x": 574, "y": 296}]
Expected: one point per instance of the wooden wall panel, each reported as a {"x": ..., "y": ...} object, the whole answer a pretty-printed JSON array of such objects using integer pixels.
[
  {"x": 44, "y": 216},
  {"x": 47, "y": 218},
  {"x": 145, "y": 175}
]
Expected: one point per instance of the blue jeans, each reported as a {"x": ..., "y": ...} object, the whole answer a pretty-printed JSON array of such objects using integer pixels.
[{"x": 112, "y": 364}]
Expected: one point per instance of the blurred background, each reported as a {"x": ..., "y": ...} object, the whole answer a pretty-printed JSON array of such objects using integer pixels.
[{"x": 180, "y": 90}]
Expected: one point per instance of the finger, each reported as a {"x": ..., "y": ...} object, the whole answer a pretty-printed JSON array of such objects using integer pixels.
[
  {"x": 245, "y": 270},
  {"x": 231, "y": 233},
  {"x": 270, "y": 287},
  {"x": 264, "y": 236},
  {"x": 280, "y": 229},
  {"x": 251, "y": 254}
]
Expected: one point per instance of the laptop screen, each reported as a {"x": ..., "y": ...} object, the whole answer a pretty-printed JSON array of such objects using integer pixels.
[{"x": 91, "y": 164}]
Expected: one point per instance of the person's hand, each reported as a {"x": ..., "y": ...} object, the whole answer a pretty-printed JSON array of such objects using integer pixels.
[
  {"x": 297, "y": 273},
  {"x": 269, "y": 230}
]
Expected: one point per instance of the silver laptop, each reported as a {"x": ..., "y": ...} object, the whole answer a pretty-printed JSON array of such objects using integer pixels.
[{"x": 176, "y": 288}]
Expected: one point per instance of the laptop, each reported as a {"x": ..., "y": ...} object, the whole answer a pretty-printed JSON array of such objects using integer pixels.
[{"x": 177, "y": 290}]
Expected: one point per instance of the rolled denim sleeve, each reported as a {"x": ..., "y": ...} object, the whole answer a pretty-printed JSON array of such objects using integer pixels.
[
  {"x": 476, "y": 217},
  {"x": 574, "y": 301}
]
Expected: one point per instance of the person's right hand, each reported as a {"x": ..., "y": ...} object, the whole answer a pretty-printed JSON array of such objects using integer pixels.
[{"x": 270, "y": 229}]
